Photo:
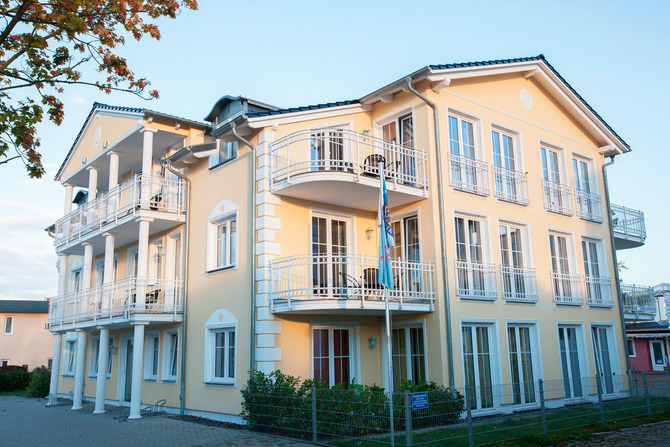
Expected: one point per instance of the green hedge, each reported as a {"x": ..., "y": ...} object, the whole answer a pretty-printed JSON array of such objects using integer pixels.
[
  {"x": 280, "y": 404},
  {"x": 36, "y": 382},
  {"x": 40, "y": 381},
  {"x": 15, "y": 380}
]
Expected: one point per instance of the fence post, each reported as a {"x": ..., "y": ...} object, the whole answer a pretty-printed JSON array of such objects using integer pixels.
[
  {"x": 408, "y": 419},
  {"x": 637, "y": 391},
  {"x": 543, "y": 408},
  {"x": 314, "y": 429},
  {"x": 471, "y": 435},
  {"x": 599, "y": 385},
  {"x": 646, "y": 392}
]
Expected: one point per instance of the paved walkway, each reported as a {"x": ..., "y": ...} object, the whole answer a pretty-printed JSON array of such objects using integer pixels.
[
  {"x": 652, "y": 435},
  {"x": 28, "y": 422}
]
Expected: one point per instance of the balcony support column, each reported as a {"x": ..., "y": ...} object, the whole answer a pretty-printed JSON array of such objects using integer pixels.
[
  {"x": 92, "y": 183},
  {"x": 87, "y": 271},
  {"x": 79, "y": 372},
  {"x": 67, "y": 208},
  {"x": 142, "y": 264},
  {"x": 138, "y": 356},
  {"x": 55, "y": 368},
  {"x": 108, "y": 272},
  {"x": 147, "y": 165},
  {"x": 113, "y": 182},
  {"x": 62, "y": 274},
  {"x": 102, "y": 372}
]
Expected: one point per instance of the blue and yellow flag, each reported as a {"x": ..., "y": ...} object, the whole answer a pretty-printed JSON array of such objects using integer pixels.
[{"x": 386, "y": 242}]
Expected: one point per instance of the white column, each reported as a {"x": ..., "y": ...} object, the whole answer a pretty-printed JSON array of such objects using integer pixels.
[
  {"x": 142, "y": 264},
  {"x": 102, "y": 372},
  {"x": 108, "y": 272},
  {"x": 68, "y": 200},
  {"x": 92, "y": 183},
  {"x": 112, "y": 202},
  {"x": 147, "y": 162},
  {"x": 86, "y": 273},
  {"x": 62, "y": 274},
  {"x": 138, "y": 356},
  {"x": 79, "y": 372},
  {"x": 55, "y": 368}
]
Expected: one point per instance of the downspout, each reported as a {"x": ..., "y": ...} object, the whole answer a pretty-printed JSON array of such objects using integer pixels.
[
  {"x": 616, "y": 269},
  {"x": 184, "y": 270},
  {"x": 252, "y": 353},
  {"x": 443, "y": 232}
]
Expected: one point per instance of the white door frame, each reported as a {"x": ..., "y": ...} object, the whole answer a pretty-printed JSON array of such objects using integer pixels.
[
  {"x": 654, "y": 365},
  {"x": 123, "y": 364}
]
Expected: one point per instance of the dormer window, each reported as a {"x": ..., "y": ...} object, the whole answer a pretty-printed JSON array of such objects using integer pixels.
[{"x": 226, "y": 152}]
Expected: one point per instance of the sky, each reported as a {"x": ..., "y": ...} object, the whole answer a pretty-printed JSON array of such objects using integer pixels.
[{"x": 292, "y": 53}]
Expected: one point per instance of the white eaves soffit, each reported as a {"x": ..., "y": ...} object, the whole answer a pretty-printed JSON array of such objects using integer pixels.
[{"x": 608, "y": 142}]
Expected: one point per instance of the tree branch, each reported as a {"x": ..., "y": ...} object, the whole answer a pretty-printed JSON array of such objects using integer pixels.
[{"x": 15, "y": 20}]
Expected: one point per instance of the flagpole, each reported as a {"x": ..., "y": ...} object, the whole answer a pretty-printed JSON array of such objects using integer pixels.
[{"x": 390, "y": 363}]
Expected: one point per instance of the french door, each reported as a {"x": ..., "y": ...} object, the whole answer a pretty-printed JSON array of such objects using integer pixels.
[
  {"x": 468, "y": 256},
  {"x": 594, "y": 290},
  {"x": 407, "y": 249},
  {"x": 462, "y": 144},
  {"x": 582, "y": 184},
  {"x": 503, "y": 158},
  {"x": 128, "y": 376},
  {"x": 477, "y": 364},
  {"x": 570, "y": 362},
  {"x": 327, "y": 150},
  {"x": 551, "y": 173},
  {"x": 329, "y": 256},
  {"x": 602, "y": 356},
  {"x": 560, "y": 266},
  {"x": 511, "y": 256},
  {"x": 400, "y": 132},
  {"x": 521, "y": 364}
]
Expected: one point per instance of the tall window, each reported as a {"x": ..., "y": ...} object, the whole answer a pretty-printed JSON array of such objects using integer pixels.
[
  {"x": 409, "y": 355},
  {"x": 224, "y": 354},
  {"x": 467, "y": 173},
  {"x": 226, "y": 242},
  {"x": 68, "y": 357},
  {"x": 474, "y": 278},
  {"x": 222, "y": 233},
  {"x": 518, "y": 281},
  {"x": 9, "y": 325},
  {"x": 329, "y": 254},
  {"x": 570, "y": 361},
  {"x": 331, "y": 355},
  {"x": 227, "y": 151},
  {"x": 95, "y": 356},
  {"x": 151, "y": 356},
  {"x": 509, "y": 184},
  {"x": 564, "y": 288},
  {"x": 597, "y": 287},
  {"x": 521, "y": 363},
  {"x": 557, "y": 196},
  {"x": 327, "y": 150},
  {"x": 588, "y": 200},
  {"x": 406, "y": 248},
  {"x": 477, "y": 364},
  {"x": 400, "y": 155},
  {"x": 170, "y": 355},
  {"x": 602, "y": 339}
]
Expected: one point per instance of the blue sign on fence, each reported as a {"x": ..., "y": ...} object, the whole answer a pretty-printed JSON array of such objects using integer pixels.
[{"x": 419, "y": 401}]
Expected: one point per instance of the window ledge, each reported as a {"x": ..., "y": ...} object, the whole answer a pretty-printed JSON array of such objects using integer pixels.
[
  {"x": 221, "y": 164},
  {"x": 68, "y": 375},
  {"x": 227, "y": 384},
  {"x": 150, "y": 379},
  {"x": 221, "y": 269},
  {"x": 169, "y": 380}
]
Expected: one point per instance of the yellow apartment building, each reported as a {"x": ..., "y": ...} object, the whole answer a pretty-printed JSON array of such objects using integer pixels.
[
  {"x": 198, "y": 252},
  {"x": 24, "y": 339}
]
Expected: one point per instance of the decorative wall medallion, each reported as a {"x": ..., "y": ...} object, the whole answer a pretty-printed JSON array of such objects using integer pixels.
[
  {"x": 96, "y": 136},
  {"x": 526, "y": 99}
]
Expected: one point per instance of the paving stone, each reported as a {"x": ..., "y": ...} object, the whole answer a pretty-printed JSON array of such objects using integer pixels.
[{"x": 650, "y": 435}]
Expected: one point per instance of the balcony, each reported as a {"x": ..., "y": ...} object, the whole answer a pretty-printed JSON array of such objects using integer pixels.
[
  {"x": 628, "y": 226},
  {"x": 519, "y": 284},
  {"x": 510, "y": 186},
  {"x": 476, "y": 281},
  {"x": 639, "y": 302},
  {"x": 589, "y": 206},
  {"x": 340, "y": 167},
  {"x": 567, "y": 289},
  {"x": 347, "y": 285},
  {"x": 598, "y": 291},
  {"x": 557, "y": 198},
  {"x": 155, "y": 197},
  {"x": 115, "y": 304},
  {"x": 469, "y": 174}
]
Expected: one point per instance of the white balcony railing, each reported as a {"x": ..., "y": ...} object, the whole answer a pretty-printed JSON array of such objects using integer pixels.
[
  {"x": 511, "y": 186},
  {"x": 346, "y": 151},
  {"x": 638, "y": 300},
  {"x": 557, "y": 197},
  {"x": 116, "y": 299},
  {"x": 469, "y": 174},
  {"x": 349, "y": 277},
  {"x": 567, "y": 288},
  {"x": 138, "y": 193},
  {"x": 628, "y": 222},
  {"x": 598, "y": 291},
  {"x": 519, "y": 284},
  {"x": 476, "y": 280},
  {"x": 589, "y": 206}
]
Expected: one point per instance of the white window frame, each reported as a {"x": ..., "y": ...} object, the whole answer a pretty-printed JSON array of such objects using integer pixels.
[
  {"x": 220, "y": 320},
  {"x": 536, "y": 354},
  {"x": 613, "y": 350},
  {"x": 152, "y": 342},
  {"x": 93, "y": 357},
  {"x": 495, "y": 355},
  {"x": 69, "y": 355},
  {"x": 217, "y": 158},
  {"x": 165, "y": 372},
  {"x": 479, "y": 167},
  {"x": 76, "y": 268},
  {"x": 9, "y": 319},
  {"x": 584, "y": 369},
  {"x": 489, "y": 276},
  {"x": 520, "y": 195},
  {"x": 131, "y": 265},
  {"x": 4, "y": 362},
  {"x": 631, "y": 352},
  {"x": 354, "y": 351},
  {"x": 224, "y": 211},
  {"x": 407, "y": 326},
  {"x": 330, "y": 163}
]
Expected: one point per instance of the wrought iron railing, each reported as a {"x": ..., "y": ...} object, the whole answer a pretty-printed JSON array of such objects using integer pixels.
[
  {"x": 469, "y": 174},
  {"x": 567, "y": 288},
  {"x": 589, "y": 206},
  {"x": 475, "y": 280},
  {"x": 628, "y": 222},
  {"x": 511, "y": 186},
  {"x": 557, "y": 197},
  {"x": 348, "y": 277},
  {"x": 638, "y": 299},
  {"x": 519, "y": 284},
  {"x": 346, "y": 151},
  {"x": 598, "y": 291},
  {"x": 141, "y": 192},
  {"x": 119, "y": 298}
]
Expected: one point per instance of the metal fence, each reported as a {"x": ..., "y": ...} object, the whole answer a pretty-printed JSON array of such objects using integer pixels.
[{"x": 471, "y": 416}]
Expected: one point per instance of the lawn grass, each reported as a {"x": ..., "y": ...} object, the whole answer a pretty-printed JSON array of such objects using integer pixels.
[
  {"x": 574, "y": 422},
  {"x": 23, "y": 392}
]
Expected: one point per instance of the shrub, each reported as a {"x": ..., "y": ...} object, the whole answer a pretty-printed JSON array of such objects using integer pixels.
[
  {"x": 39, "y": 382},
  {"x": 18, "y": 379}
]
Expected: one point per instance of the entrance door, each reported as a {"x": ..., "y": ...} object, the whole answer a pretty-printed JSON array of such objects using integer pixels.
[
  {"x": 477, "y": 365},
  {"x": 601, "y": 353},
  {"x": 572, "y": 382},
  {"x": 329, "y": 253},
  {"x": 128, "y": 377},
  {"x": 657, "y": 355}
]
